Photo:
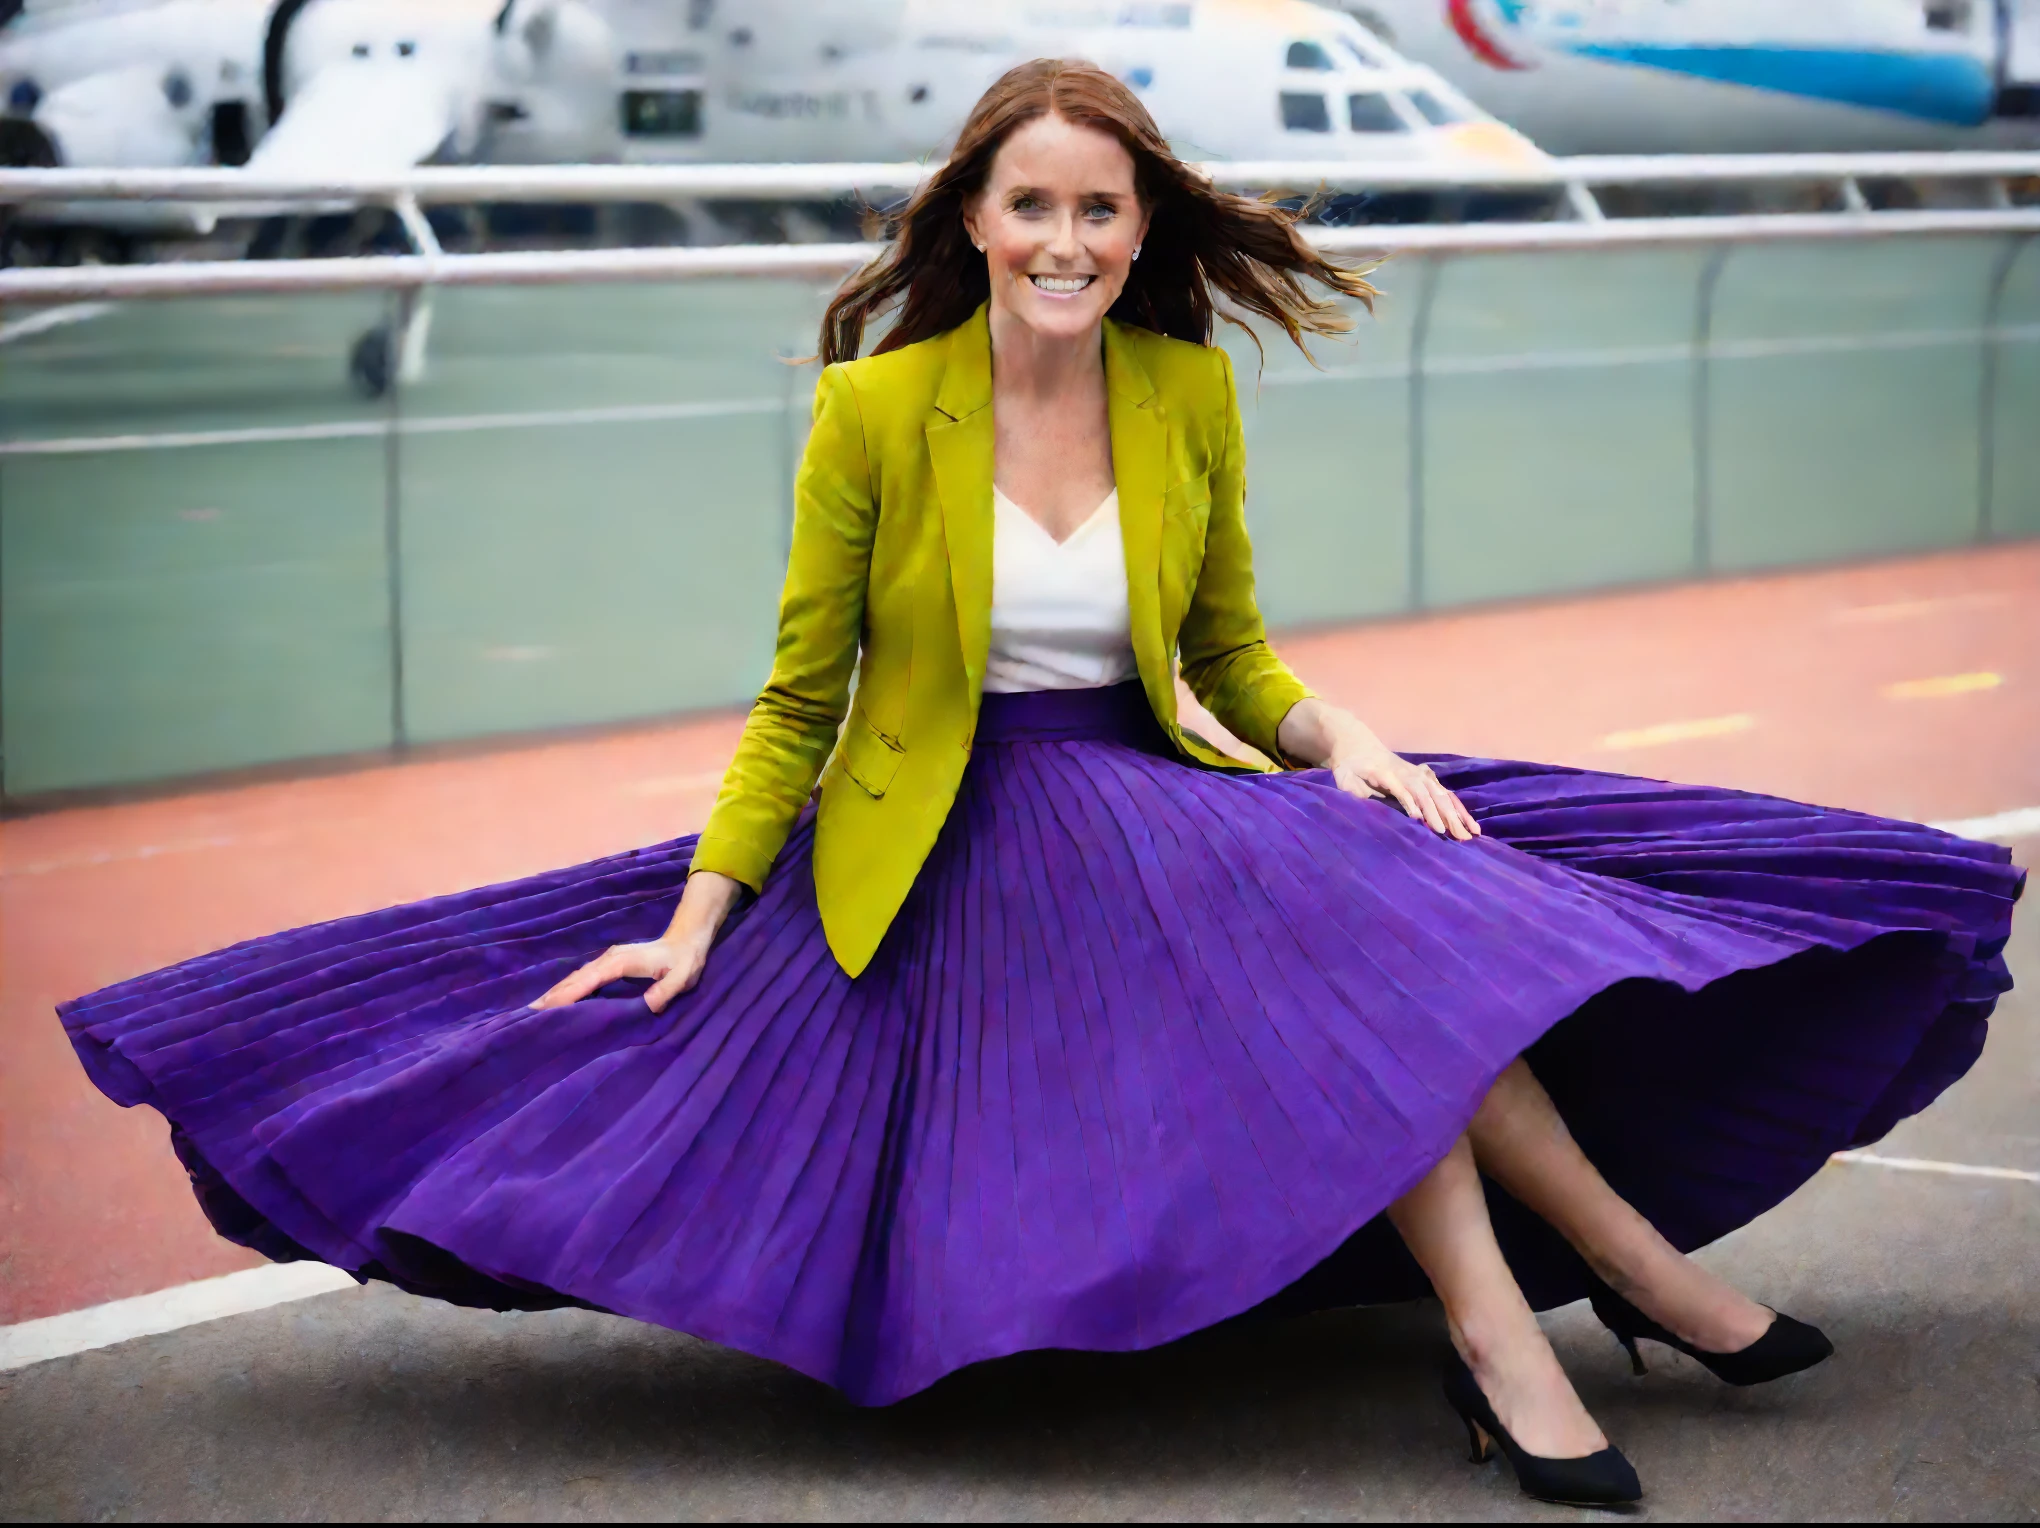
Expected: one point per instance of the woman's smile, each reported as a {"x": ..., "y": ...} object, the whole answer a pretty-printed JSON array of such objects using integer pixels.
[{"x": 1060, "y": 286}]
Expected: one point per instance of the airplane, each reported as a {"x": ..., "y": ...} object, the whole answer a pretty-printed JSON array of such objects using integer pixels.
[
  {"x": 324, "y": 85},
  {"x": 1733, "y": 76},
  {"x": 337, "y": 86}
]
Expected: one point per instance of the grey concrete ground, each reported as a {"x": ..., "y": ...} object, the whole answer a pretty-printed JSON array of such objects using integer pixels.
[{"x": 369, "y": 1404}]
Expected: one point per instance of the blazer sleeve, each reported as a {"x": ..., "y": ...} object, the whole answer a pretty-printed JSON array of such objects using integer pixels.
[
  {"x": 1225, "y": 654},
  {"x": 793, "y": 727}
]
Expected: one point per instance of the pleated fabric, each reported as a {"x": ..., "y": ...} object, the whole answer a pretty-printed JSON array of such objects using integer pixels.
[{"x": 1147, "y": 1047}]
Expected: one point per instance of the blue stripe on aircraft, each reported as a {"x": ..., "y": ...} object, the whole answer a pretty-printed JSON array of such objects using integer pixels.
[{"x": 1937, "y": 87}]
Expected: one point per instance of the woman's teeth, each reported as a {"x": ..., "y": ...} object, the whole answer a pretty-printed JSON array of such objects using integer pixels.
[{"x": 1061, "y": 286}]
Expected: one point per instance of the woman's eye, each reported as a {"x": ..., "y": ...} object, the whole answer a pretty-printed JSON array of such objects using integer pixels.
[{"x": 1101, "y": 211}]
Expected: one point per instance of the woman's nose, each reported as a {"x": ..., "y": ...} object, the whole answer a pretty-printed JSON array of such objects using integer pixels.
[{"x": 1063, "y": 244}]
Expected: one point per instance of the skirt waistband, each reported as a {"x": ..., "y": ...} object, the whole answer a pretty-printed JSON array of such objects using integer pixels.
[{"x": 1117, "y": 713}]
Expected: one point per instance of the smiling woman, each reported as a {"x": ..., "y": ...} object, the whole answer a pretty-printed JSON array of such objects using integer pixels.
[
  {"x": 1197, "y": 239},
  {"x": 1041, "y": 1023}
]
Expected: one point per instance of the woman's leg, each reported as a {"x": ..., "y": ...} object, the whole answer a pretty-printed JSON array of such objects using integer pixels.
[
  {"x": 1444, "y": 1222},
  {"x": 1520, "y": 1141}
]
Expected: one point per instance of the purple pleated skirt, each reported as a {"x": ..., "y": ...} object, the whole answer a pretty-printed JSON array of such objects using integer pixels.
[{"x": 1148, "y": 1046}]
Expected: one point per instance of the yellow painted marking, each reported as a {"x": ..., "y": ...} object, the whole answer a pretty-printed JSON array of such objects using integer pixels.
[
  {"x": 1680, "y": 732},
  {"x": 1946, "y": 684},
  {"x": 674, "y": 785},
  {"x": 1900, "y": 610}
]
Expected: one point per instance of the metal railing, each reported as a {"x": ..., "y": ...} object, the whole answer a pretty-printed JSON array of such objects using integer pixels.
[{"x": 235, "y": 192}]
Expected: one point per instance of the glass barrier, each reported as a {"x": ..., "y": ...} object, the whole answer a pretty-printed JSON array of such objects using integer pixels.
[{"x": 237, "y": 532}]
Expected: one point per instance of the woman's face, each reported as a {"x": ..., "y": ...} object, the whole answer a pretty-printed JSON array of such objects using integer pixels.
[{"x": 1058, "y": 222}]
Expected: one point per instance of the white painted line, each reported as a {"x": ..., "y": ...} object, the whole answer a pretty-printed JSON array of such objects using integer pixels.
[
  {"x": 100, "y": 1326},
  {"x": 52, "y": 318},
  {"x": 1922, "y": 1165},
  {"x": 1683, "y": 353},
  {"x": 2022, "y": 822},
  {"x": 352, "y": 429}
]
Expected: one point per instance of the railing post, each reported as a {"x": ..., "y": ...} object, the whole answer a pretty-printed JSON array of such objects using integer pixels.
[
  {"x": 393, "y": 527},
  {"x": 1420, "y": 333},
  {"x": 1703, "y": 409},
  {"x": 1986, "y": 434}
]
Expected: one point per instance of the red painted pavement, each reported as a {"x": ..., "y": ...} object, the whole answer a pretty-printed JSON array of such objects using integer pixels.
[{"x": 93, "y": 1207}]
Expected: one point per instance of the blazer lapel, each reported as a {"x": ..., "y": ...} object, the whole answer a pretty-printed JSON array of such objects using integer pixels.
[
  {"x": 961, "y": 441},
  {"x": 1140, "y": 441}
]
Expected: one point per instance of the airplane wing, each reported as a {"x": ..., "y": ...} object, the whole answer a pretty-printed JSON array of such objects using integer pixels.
[{"x": 362, "y": 117}]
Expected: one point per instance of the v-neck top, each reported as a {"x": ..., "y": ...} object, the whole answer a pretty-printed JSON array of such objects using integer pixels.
[{"x": 1059, "y": 612}]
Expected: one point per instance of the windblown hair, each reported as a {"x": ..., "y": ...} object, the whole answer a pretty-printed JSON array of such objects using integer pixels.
[{"x": 1199, "y": 238}]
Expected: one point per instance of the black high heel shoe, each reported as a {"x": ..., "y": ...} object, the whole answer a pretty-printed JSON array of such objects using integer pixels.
[
  {"x": 1604, "y": 1479},
  {"x": 1786, "y": 1347}
]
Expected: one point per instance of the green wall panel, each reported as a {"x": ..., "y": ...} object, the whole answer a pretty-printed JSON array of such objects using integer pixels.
[
  {"x": 1328, "y": 461},
  {"x": 1558, "y": 397},
  {"x": 190, "y": 607},
  {"x": 168, "y": 612},
  {"x": 592, "y": 485},
  {"x": 1845, "y": 392},
  {"x": 561, "y": 568},
  {"x": 2015, "y": 433}
]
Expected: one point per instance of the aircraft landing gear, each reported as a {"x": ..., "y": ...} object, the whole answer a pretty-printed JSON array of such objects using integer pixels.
[
  {"x": 371, "y": 364},
  {"x": 392, "y": 352}
]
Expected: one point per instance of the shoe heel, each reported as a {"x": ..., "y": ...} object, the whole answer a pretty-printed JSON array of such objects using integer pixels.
[
  {"x": 1479, "y": 1446},
  {"x": 1636, "y": 1363}
]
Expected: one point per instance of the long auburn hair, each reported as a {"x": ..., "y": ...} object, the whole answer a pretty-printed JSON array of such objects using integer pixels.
[{"x": 1199, "y": 238}]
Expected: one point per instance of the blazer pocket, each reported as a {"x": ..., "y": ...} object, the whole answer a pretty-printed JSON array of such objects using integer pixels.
[{"x": 868, "y": 758}]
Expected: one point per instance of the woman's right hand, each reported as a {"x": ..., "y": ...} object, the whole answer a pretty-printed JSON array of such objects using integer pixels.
[{"x": 672, "y": 963}]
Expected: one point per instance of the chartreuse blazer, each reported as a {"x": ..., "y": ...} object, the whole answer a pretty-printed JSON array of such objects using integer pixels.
[{"x": 892, "y": 555}]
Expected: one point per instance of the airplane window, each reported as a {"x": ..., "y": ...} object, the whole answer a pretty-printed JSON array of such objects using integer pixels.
[
  {"x": 406, "y": 49},
  {"x": 1308, "y": 55},
  {"x": 361, "y": 50},
  {"x": 1305, "y": 113},
  {"x": 1437, "y": 112},
  {"x": 662, "y": 113},
  {"x": 1372, "y": 113},
  {"x": 1360, "y": 54}
]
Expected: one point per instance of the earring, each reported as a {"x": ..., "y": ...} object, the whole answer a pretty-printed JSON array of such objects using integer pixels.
[{"x": 1136, "y": 251}]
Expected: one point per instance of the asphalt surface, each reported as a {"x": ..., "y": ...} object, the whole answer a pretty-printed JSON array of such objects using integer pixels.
[{"x": 370, "y": 1404}]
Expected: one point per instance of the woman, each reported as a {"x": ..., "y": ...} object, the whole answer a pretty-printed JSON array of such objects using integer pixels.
[{"x": 1048, "y": 1025}]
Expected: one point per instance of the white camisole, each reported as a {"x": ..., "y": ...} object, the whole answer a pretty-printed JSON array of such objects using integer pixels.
[{"x": 1059, "y": 612}]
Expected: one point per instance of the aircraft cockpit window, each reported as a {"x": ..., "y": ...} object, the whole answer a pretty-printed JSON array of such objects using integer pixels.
[
  {"x": 1308, "y": 55},
  {"x": 662, "y": 113},
  {"x": 1437, "y": 111},
  {"x": 1305, "y": 113},
  {"x": 1374, "y": 113},
  {"x": 1360, "y": 54}
]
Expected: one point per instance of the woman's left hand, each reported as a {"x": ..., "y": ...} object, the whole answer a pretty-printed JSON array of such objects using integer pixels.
[
  {"x": 1317, "y": 732},
  {"x": 1413, "y": 787}
]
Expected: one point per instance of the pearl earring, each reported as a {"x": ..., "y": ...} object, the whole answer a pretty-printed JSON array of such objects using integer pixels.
[{"x": 1136, "y": 251}]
